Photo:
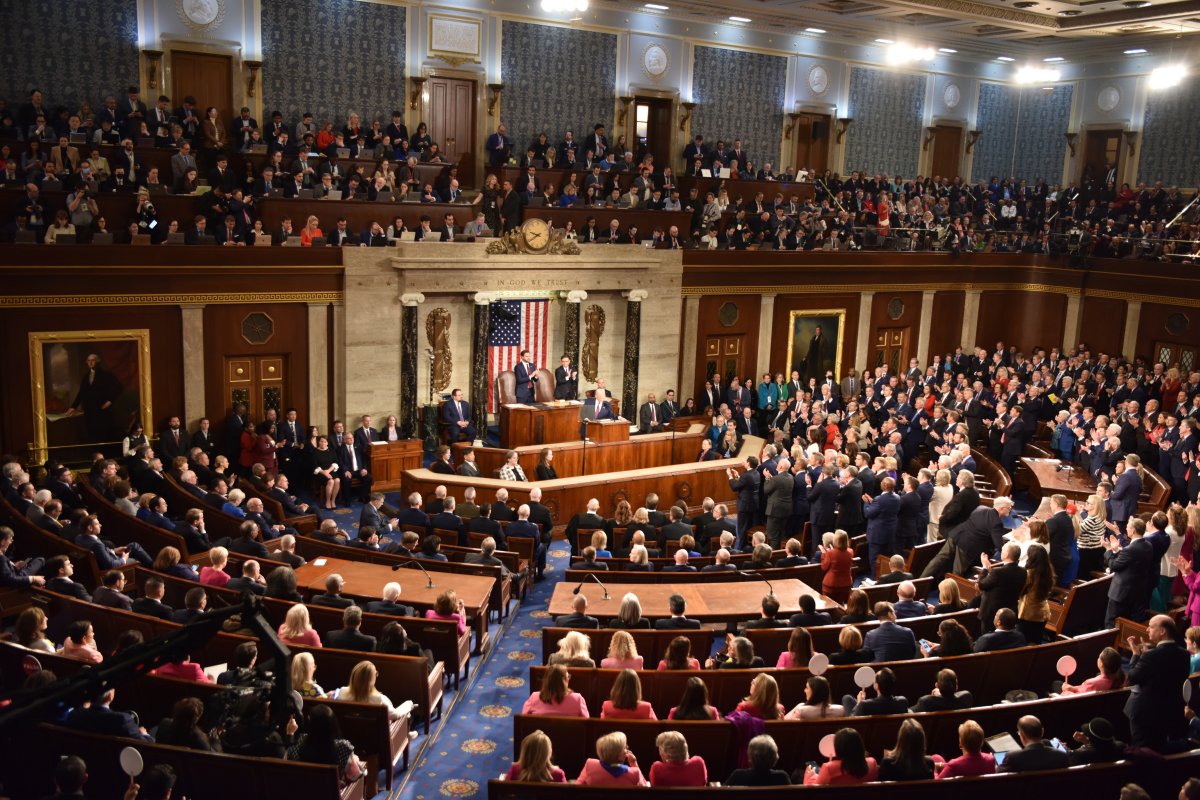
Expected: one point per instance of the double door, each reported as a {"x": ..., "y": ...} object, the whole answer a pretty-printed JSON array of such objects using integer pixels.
[{"x": 259, "y": 382}]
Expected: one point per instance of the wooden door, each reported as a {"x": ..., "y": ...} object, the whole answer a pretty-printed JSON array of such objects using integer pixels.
[
  {"x": 1101, "y": 149},
  {"x": 1182, "y": 356},
  {"x": 452, "y": 122},
  {"x": 258, "y": 381},
  {"x": 725, "y": 355},
  {"x": 652, "y": 129},
  {"x": 812, "y": 142},
  {"x": 892, "y": 348},
  {"x": 206, "y": 77},
  {"x": 947, "y": 152}
]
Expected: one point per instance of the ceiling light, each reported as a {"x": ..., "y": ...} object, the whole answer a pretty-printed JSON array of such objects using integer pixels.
[
  {"x": 1135, "y": 51},
  {"x": 1136, "y": 3},
  {"x": 1025, "y": 4},
  {"x": 559, "y": 6},
  {"x": 814, "y": 30},
  {"x": 1167, "y": 77},
  {"x": 905, "y": 53},
  {"x": 739, "y": 19},
  {"x": 1004, "y": 58},
  {"x": 884, "y": 41},
  {"x": 656, "y": 7},
  {"x": 1036, "y": 75},
  {"x": 1053, "y": 59},
  {"x": 947, "y": 50},
  {"x": 1070, "y": 12}
]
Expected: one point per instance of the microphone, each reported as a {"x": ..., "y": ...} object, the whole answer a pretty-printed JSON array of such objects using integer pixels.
[
  {"x": 592, "y": 576},
  {"x": 417, "y": 564},
  {"x": 761, "y": 577}
]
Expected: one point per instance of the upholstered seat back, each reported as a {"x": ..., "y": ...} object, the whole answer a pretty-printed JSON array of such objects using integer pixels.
[{"x": 506, "y": 387}]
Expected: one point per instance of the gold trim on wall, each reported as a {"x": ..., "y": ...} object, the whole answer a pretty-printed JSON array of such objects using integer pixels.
[
  {"x": 173, "y": 299},
  {"x": 840, "y": 313},
  {"x": 37, "y": 372}
]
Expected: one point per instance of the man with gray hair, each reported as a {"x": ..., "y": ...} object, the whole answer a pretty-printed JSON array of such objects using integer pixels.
[
  {"x": 778, "y": 490},
  {"x": 487, "y": 557},
  {"x": 982, "y": 533},
  {"x": 350, "y": 637},
  {"x": 523, "y": 528}
]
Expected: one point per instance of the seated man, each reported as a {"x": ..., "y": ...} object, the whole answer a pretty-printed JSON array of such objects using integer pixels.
[
  {"x": 522, "y": 527},
  {"x": 332, "y": 595},
  {"x": 350, "y": 637},
  {"x": 487, "y": 557},
  {"x": 793, "y": 558},
  {"x": 678, "y": 620},
  {"x": 720, "y": 563},
  {"x": 770, "y": 607},
  {"x": 353, "y": 465},
  {"x": 578, "y": 617},
  {"x": 483, "y": 523},
  {"x": 1005, "y": 637},
  {"x": 896, "y": 571},
  {"x": 885, "y": 701},
  {"x": 456, "y": 414},
  {"x": 589, "y": 561},
  {"x": 945, "y": 695},
  {"x": 251, "y": 579},
  {"x": 809, "y": 616},
  {"x": 372, "y": 516},
  {"x": 907, "y": 605},
  {"x": 389, "y": 604},
  {"x": 99, "y": 717},
  {"x": 681, "y": 563},
  {"x": 447, "y": 520},
  {"x": 110, "y": 593},
  {"x": 413, "y": 516},
  {"x": 889, "y": 641},
  {"x": 1035, "y": 753}
]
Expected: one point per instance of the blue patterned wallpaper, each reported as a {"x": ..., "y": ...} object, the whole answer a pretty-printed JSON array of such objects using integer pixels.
[
  {"x": 1023, "y": 132},
  {"x": 331, "y": 57},
  {"x": 73, "y": 51},
  {"x": 554, "y": 79},
  {"x": 740, "y": 95},
  {"x": 888, "y": 109},
  {"x": 1170, "y": 139}
]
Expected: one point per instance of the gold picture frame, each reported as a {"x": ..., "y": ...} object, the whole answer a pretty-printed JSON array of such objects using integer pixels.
[
  {"x": 801, "y": 326},
  {"x": 56, "y": 359}
]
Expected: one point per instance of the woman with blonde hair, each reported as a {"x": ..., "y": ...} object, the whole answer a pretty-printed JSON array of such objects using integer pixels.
[
  {"x": 555, "y": 698},
  {"x": 447, "y": 606},
  {"x": 296, "y": 628},
  {"x": 629, "y": 615},
  {"x": 763, "y": 700},
  {"x": 942, "y": 493},
  {"x": 676, "y": 767},
  {"x": 615, "y": 764},
  {"x": 639, "y": 559},
  {"x": 949, "y": 597},
  {"x": 1092, "y": 530},
  {"x": 361, "y": 689},
  {"x": 622, "y": 653},
  {"x": 600, "y": 543},
  {"x": 215, "y": 575},
  {"x": 310, "y": 231},
  {"x": 31, "y": 630},
  {"x": 573, "y": 651},
  {"x": 535, "y": 764},
  {"x": 304, "y": 670},
  {"x": 625, "y": 699}
]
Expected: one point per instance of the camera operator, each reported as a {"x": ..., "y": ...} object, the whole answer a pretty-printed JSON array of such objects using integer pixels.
[
  {"x": 81, "y": 204},
  {"x": 248, "y": 729},
  {"x": 147, "y": 217}
]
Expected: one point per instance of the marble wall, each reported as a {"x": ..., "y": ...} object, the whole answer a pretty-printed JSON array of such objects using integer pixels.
[
  {"x": 1170, "y": 139},
  {"x": 740, "y": 95},
  {"x": 888, "y": 109}
]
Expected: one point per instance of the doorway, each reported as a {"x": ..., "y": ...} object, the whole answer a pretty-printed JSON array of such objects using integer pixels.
[
  {"x": 1181, "y": 356},
  {"x": 206, "y": 77},
  {"x": 1101, "y": 149},
  {"x": 891, "y": 349},
  {"x": 812, "y": 142},
  {"x": 723, "y": 355},
  {"x": 452, "y": 122},
  {"x": 947, "y": 151},
  {"x": 258, "y": 381},
  {"x": 652, "y": 130}
]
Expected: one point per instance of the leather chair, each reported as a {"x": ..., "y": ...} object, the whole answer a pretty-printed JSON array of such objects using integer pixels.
[
  {"x": 543, "y": 388},
  {"x": 506, "y": 387}
]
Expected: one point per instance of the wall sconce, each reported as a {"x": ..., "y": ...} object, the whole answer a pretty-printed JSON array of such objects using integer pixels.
[
  {"x": 974, "y": 138},
  {"x": 930, "y": 135},
  {"x": 417, "y": 83},
  {"x": 843, "y": 126},
  {"x": 153, "y": 59},
  {"x": 625, "y": 101},
  {"x": 791, "y": 128},
  {"x": 254, "y": 67},
  {"x": 494, "y": 97},
  {"x": 687, "y": 115},
  {"x": 1072, "y": 138},
  {"x": 1130, "y": 140}
]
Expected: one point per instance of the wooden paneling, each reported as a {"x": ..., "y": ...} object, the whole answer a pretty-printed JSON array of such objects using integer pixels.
[
  {"x": 910, "y": 316},
  {"x": 710, "y": 327},
  {"x": 781, "y": 325},
  {"x": 1152, "y": 327},
  {"x": 946, "y": 328},
  {"x": 223, "y": 339},
  {"x": 947, "y": 152},
  {"x": 206, "y": 77},
  {"x": 1102, "y": 324},
  {"x": 1026, "y": 319},
  {"x": 166, "y": 357},
  {"x": 452, "y": 120}
]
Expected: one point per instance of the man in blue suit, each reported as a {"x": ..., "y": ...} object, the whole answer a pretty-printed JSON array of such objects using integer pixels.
[
  {"x": 523, "y": 527},
  {"x": 352, "y": 464},
  {"x": 524, "y": 371},
  {"x": 889, "y": 641},
  {"x": 1156, "y": 671},
  {"x": 746, "y": 485},
  {"x": 822, "y": 503},
  {"x": 1131, "y": 569},
  {"x": 456, "y": 413},
  {"x": 106, "y": 558},
  {"x": 1124, "y": 499},
  {"x": 100, "y": 718},
  {"x": 882, "y": 515}
]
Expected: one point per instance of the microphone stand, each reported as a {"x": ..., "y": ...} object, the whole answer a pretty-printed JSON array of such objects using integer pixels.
[
  {"x": 761, "y": 577},
  {"x": 592, "y": 576},
  {"x": 416, "y": 564}
]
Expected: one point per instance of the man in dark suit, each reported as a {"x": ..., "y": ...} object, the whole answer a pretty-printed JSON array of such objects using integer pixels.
[
  {"x": 589, "y": 520},
  {"x": 1132, "y": 568},
  {"x": 1156, "y": 671},
  {"x": 982, "y": 534},
  {"x": 822, "y": 503},
  {"x": 565, "y": 378},
  {"x": 1062, "y": 533},
  {"x": 204, "y": 439},
  {"x": 1012, "y": 441},
  {"x": 150, "y": 603},
  {"x": 649, "y": 418},
  {"x": 108, "y": 558},
  {"x": 269, "y": 527},
  {"x": 60, "y": 569},
  {"x": 889, "y": 641},
  {"x": 17, "y": 574},
  {"x": 1124, "y": 499},
  {"x": 746, "y": 485},
  {"x": 109, "y": 593},
  {"x": 371, "y": 515},
  {"x": 1004, "y": 636},
  {"x": 883, "y": 515},
  {"x": 332, "y": 596},
  {"x": 524, "y": 370},
  {"x": 413, "y": 515},
  {"x": 720, "y": 562},
  {"x": 483, "y": 523},
  {"x": 681, "y": 563},
  {"x": 487, "y": 557},
  {"x": 233, "y": 432},
  {"x": 678, "y": 620},
  {"x": 522, "y": 527},
  {"x": 501, "y": 510},
  {"x": 251, "y": 579},
  {"x": 885, "y": 701},
  {"x": 173, "y": 441},
  {"x": 456, "y": 413},
  {"x": 539, "y": 514},
  {"x": 511, "y": 202},
  {"x": 808, "y": 616},
  {"x": 194, "y": 604},
  {"x": 850, "y": 516},
  {"x": 578, "y": 617},
  {"x": 1035, "y": 753},
  {"x": 675, "y": 529},
  {"x": 778, "y": 492},
  {"x": 770, "y": 608},
  {"x": 589, "y": 562},
  {"x": 247, "y": 542},
  {"x": 352, "y": 465},
  {"x": 447, "y": 520},
  {"x": 99, "y": 388},
  {"x": 1000, "y": 585},
  {"x": 350, "y": 637},
  {"x": 947, "y": 698},
  {"x": 389, "y": 604},
  {"x": 99, "y": 717}
]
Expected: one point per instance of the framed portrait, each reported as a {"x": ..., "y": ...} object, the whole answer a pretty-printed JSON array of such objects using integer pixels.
[
  {"x": 90, "y": 388},
  {"x": 815, "y": 342}
]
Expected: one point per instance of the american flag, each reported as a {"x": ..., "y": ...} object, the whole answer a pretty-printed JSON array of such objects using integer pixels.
[{"x": 516, "y": 325}]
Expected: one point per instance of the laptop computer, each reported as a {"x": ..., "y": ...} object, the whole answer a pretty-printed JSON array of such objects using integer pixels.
[
  {"x": 140, "y": 239},
  {"x": 156, "y": 188},
  {"x": 540, "y": 163},
  {"x": 206, "y": 239},
  {"x": 276, "y": 191},
  {"x": 724, "y": 172},
  {"x": 258, "y": 149},
  {"x": 102, "y": 238},
  {"x": 334, "y": 194},
  {"x": 384, "y": 197},
  {"x": 176, "y": 238},
  {"x": 78, "y": 138},
  {"x": 537, "y": 201},
  {"x": 318, "y": 241},
  {"x": 706, "y": 173},
  {"x": 26, "y": 237},
  {"x": 292, "y": 241},
  {"x": 262, "y": 241},
  {"x": 463, "y": 237},
  {"x": 343, "y": 152},
  {"x": 145, "y": 141},
  {"x": 304, "y": 194},
  {"x": 65, "y": 238}
]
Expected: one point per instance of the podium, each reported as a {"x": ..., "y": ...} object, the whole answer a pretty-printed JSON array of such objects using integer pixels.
[
  {"x": 608, "y": 430},
  {"x": 390, "y": 459},
  {"x": 522, "y": 424}
]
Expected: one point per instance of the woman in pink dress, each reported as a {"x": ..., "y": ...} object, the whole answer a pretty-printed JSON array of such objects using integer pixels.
[
  {"x": 614, "y": 766},
  {"x": 555, "y": 697},
  {"x": 265, "y": 447},
  {"x": 622, "y": 653}
]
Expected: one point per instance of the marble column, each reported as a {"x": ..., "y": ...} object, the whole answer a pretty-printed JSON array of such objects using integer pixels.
[
  {"x": 688, "y": 345},
  {"x": 1072, "y": 321},
  {"x": 480, "y": 328},
  {"x": 924, "y": 327},
  {"x": 574, "y": 299},
  {"x": 862, "y": 349},
  {"x": 409, "y": 363},
  {"x": 633, "y": 346},
  {"x": 970, "y": 322},
  {"x": 766, "y": 318},
  {"x": 338, "y": 358},
  {"x": 192, "y": 322},
  {"x": 1133, "y": 318},
  {"x": 318, "y": 365}
]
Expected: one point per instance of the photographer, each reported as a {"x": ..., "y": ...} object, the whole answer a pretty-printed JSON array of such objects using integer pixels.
[{"x": 147, "y": 218}]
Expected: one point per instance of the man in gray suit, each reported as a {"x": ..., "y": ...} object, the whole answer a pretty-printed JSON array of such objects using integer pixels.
[
  {"x": 778, "y": 490},
  {"x": 182, "y": 161}
]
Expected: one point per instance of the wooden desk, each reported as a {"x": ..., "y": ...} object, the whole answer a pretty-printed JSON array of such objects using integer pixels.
[
  {"x": 646, "y": 221},
  {"x": 607, "y": 431},
  {"x": 360, "y": 214},
  {"x": 544, "y": 423},
  {"x": 708, "y": 602},
  {"x": 1048, "y": 479},
  {"x": 640, "y": 452},
  {"x": 390, "y": 459},
  {"x": 366, "y": 581}
]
